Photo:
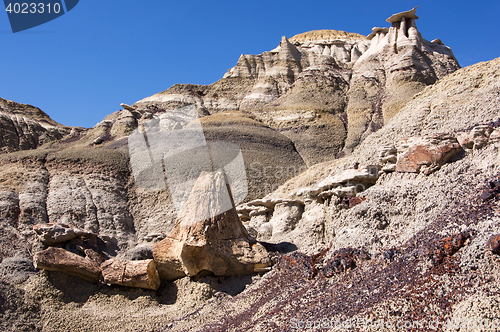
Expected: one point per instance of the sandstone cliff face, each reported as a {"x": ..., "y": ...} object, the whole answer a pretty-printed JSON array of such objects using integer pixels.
[
  {"x": 24, "y": 127},
  {"x": 343, "y": 84}
]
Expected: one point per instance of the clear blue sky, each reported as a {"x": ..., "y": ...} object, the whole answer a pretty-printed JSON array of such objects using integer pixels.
[{"x": 81, "y": 66}]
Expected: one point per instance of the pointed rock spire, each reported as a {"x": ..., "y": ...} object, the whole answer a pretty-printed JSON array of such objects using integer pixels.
[{"x": 288, "y": 50}]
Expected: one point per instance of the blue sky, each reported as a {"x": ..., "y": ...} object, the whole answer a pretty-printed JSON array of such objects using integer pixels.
[{"x": 81, "y": 66}]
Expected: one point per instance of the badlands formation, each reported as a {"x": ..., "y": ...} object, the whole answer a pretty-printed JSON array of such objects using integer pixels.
[{"x": 365, "y": 190}]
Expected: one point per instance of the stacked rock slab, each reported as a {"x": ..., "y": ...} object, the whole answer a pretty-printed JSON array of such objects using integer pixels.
[{"x": 209, "y": 236}]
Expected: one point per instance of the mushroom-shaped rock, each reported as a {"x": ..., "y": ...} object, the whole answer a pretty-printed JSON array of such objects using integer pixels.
[
  {"x": 128, "y": 107},
  {"x": 400, "y": 16},
  {"x": 209, "y": 236}
]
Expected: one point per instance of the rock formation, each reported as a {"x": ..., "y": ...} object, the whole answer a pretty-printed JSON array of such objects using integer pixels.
[
  {"x": 141, "y": 274},
  {"x": 52, "y": 233},
  {"x": 326, "y": 90},
  {"x": 404, "y": 226},
  {"x": 209, "y": 236},
  {"x": 410, "y": 237},
  {"x": 425, "y": 154},
  {"x": 24, "y": 127}
]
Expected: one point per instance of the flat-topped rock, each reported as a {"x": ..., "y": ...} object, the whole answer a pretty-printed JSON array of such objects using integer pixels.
[
  {"x": 365, "y": 175},
  {"x": 376, "y": 30},
  {"x": 399, "y": 16}
]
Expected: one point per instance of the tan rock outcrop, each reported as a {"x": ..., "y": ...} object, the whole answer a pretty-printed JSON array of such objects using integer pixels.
[
  {"x": 398, "y": 64},
  {"x": 209, "y": 236},
  {"x": 24, "y": 127},
  {"x": 326, "y": 90}
]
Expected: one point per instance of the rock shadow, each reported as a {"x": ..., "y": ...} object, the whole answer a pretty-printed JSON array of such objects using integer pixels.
[{"x": 281, "y": 248}]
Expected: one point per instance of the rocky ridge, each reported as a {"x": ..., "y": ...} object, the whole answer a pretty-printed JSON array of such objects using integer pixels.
[
  {"x": 326, "y": 90},
  {"x": 24, "y": 127}
]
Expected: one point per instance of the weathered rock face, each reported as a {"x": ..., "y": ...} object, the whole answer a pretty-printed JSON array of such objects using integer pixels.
[
  {"x": 409, "y": 239},
  {"x": 408, "y": 163},
  {"x": 24, "y": 127},
  {"x": 326, "y": 90},
  {"x": 431, "y": 229},
  {"x": 209, "y": 236},
  {"x": 398, "y": 64}
]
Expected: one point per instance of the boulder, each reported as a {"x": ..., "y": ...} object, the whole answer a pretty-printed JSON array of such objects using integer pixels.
[
  {"x": 425, "y": 154},
  {"x": 476, "y": 138},
  {"x": 465, "y": 141},
  {"x": 58, "y": 259},
  {"x": 209, "y": 236},
  {"x": 140, "y": 274},
  {"x": 53, "y": 233},
  {"x": 480, "y": 135}
]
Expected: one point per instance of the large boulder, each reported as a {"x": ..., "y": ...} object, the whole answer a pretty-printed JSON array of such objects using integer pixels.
[
  {"x": 209, "y": 236},
  {"x": 425, "y": 154}
]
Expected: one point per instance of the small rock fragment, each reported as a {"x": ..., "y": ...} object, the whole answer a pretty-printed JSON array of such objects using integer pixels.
[{"x": 493, "y": 244}]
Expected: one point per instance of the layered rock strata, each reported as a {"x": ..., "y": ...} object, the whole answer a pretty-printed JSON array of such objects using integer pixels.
[{"x": 326, "y": 90}]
